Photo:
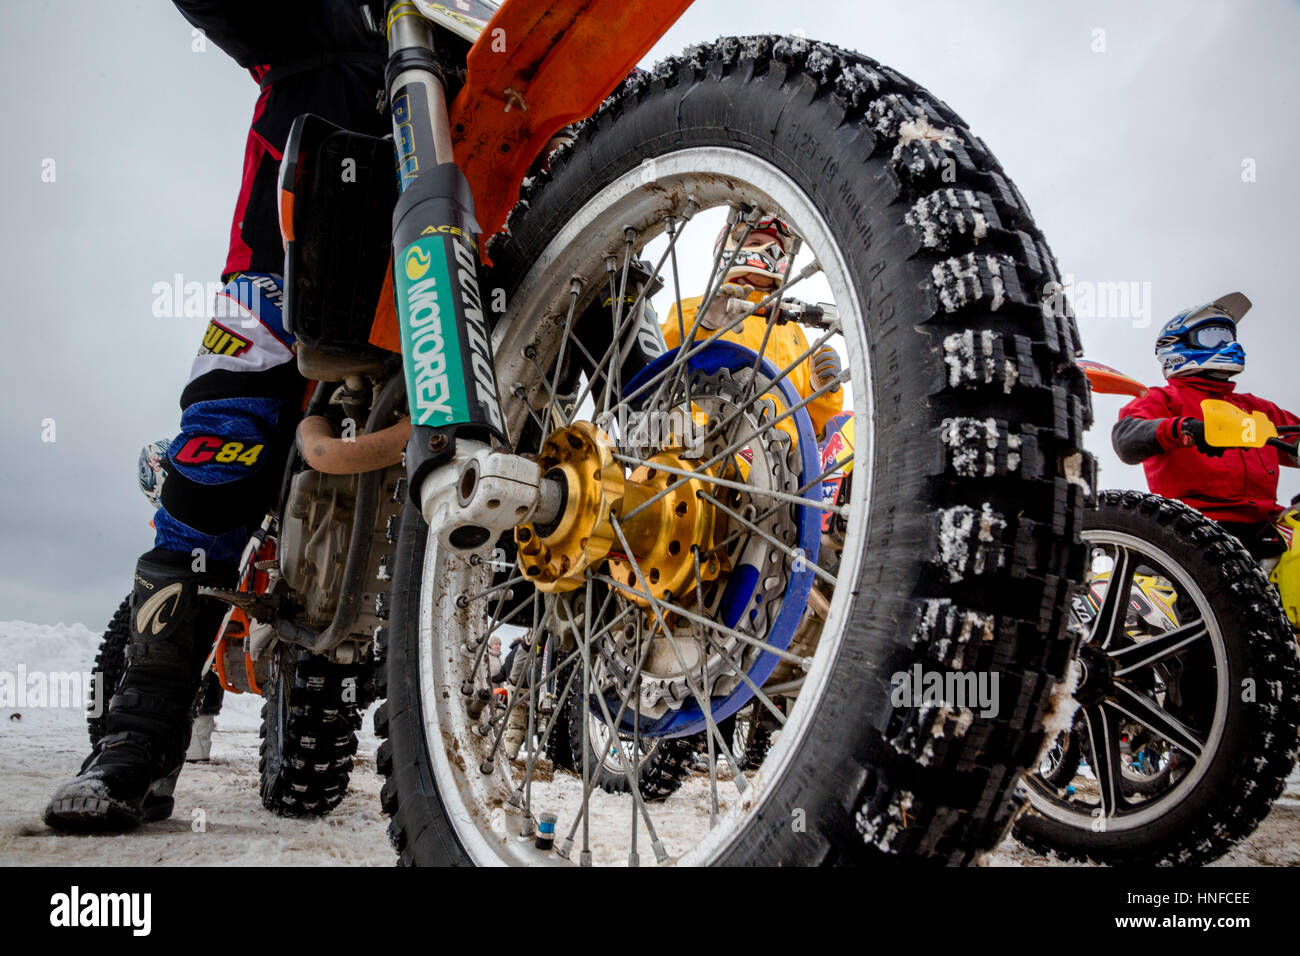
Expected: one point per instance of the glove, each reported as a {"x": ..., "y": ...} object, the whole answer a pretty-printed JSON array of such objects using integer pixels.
[
  {"x": 826, "y": 367},
  {"x": 1191, "y": 432},
  {"x": 715, "y": 317}
]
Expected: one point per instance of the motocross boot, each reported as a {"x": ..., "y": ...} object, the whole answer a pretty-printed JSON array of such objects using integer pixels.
[
  {"x": 516, "y": 727},
  {"x": 207, "y": 705},
  {"x": 200, "y": 749},
  {"x": 131, "y": 773}
]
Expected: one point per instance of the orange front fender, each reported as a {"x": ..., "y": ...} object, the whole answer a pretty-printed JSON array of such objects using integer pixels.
[{"x": 540, "y": 65}]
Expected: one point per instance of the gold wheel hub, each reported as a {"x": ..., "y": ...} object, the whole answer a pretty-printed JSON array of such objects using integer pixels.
[{"x": 664, "y": 529}]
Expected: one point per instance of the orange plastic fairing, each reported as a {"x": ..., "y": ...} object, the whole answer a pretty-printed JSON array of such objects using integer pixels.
[
  {"x": 540, "y": 65},
  {"x": 385, "y": 333},
  {"x": 1110, "y": 381},
  {"x": 236, "y": 627}
]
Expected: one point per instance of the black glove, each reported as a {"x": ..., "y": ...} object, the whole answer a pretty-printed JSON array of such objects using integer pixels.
[{"x": 1191, "y": 431}]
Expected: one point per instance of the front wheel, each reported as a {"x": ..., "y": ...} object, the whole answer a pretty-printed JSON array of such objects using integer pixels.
[{"x": 959, "y": 545}]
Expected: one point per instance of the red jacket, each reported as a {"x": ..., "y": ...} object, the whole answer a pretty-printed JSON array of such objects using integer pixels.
[{"x": 1241, "y": 486}]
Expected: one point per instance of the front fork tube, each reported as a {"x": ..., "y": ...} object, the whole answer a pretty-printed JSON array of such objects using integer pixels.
[
  {"x": 446, "y": 349},
  {"x": 468, "y": 492}
]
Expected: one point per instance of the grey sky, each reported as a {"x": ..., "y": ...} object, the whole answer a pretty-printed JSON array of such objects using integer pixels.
[{"x": 1131, "y": 160}]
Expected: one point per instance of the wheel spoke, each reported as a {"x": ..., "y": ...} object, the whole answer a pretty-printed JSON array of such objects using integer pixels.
[
  {"x": 589, "y": 781},
  {"x": 558, "y": 414},
  {"x": 466, "y": 599},
  {"x": 716, "y": 281},
  {"x": 1109, "y": 623},
  {"x": 706, "y": 622},
  {"x": 721, "y": 483},
  {"x": 772, "y": 509},
  {"x": 1145, "y": 711},
  {"x": 1103, "y": 733},
  {"x": 780, "y": 546},
  {"x": 705, "y": 706},
  {"x": 613, "y": 348},
  {"x": 550, "y": 726},
  {"x": 773, "y": 312},
  {"x": 726, "y": 656},
  {"x": 727, "y": 452},
  {"x": 1161, "y": 647},
  {"x": 611, "y": 723},
  {"x": 696, "y": 347},
  {"x": 769, "y": 383}
]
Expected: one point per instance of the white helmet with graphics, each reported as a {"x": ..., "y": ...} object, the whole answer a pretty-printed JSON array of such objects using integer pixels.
[{"x": 762, "y": 251}]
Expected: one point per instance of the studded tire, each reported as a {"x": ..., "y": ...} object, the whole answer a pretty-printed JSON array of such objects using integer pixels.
[
  {"x": 1247, "y": 769},
  {"x": 309, "y": 723},
  {"x": 972, "y": 548},
  {"x": 110, "y": 662}
]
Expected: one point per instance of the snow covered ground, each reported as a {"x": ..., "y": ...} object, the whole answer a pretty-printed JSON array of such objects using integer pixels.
[{"x": 221, "y": 822}]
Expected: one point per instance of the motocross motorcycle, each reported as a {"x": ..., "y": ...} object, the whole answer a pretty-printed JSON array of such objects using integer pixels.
[
  {"x": 656, "y": 516},
  {"x": 1187, "y": 693}
]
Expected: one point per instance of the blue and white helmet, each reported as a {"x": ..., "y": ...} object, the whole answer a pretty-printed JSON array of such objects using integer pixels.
[{"x": 1204, "y": 338}]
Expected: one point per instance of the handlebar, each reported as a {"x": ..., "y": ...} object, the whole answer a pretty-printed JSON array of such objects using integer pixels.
[{"x": 822, "y": 315}]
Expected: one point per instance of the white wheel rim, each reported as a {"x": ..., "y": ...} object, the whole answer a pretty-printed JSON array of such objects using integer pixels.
[{"x": 489, "y": 836}]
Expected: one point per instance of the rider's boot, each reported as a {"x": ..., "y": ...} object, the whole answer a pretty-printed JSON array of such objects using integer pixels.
[
  {"x": 209, "y": 705},
  {"x": 129, "y": 776},
  {"x": 516, "y": 728},
  {"x": 200, "y": 749}
]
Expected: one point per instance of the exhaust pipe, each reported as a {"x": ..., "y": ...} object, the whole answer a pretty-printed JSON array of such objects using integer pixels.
[{"x": 326, "y": 452}]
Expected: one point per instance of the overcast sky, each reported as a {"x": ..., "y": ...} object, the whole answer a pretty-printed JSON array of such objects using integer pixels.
[{"x": 1129, "y": 145}]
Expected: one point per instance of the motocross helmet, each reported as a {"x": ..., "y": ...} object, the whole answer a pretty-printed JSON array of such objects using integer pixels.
[
  {"x": 1203, "y": 340},
  {"x": 765, "y": 252}
]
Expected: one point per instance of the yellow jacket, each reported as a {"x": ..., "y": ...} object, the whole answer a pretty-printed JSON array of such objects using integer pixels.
[{"x": 786, "y": 343}]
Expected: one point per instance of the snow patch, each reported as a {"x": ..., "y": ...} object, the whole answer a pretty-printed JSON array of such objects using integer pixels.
[
  {"x": 919, "y": 128},
  {"x": 881, "y": 829},
  {"x": 1073, "y": 466},
  {"x": 973, "y": 445},
  {"x": 945, "y": 212},
  {"x": 962, "y": 718},
  {"x": 1010, "y": 375},
  {"x": 968, "y": 538},
  {"x": 995, "y": 280},
  {"x": 958, "y": 282},
  {"x": 1061, "y": 708},
  {"x": 959, "y": 356},
  {"x": 856, "y": 82}
]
